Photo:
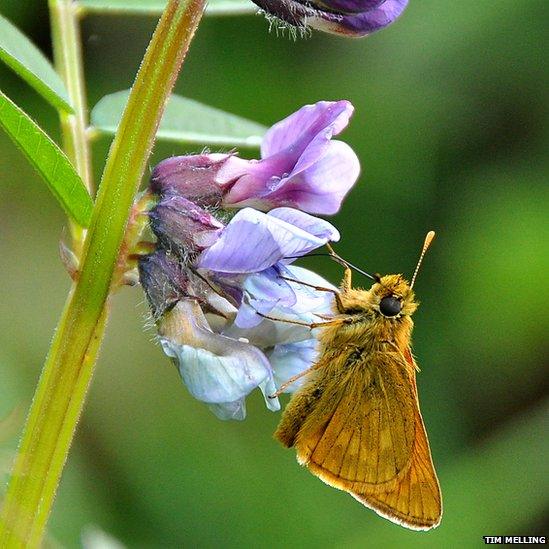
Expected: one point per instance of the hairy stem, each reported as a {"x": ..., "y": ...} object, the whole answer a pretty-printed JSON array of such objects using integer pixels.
[
  {"x": 69, "y": 365},
  {"x": 67, "y": 51}
]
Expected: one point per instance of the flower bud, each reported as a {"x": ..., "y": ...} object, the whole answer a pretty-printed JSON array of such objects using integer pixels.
[
  {"x": 195, "y": 177},
  {"x": 182, "y": 226},
  {"x": 164, "y": 281},
  {"x": 347, "y": 17}
]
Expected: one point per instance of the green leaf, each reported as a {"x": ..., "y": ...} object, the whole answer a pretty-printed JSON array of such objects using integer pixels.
[
  {"x": 155, "y": 7},
  {"x": 19, "y": 53},
  {"x": 185, "y": 121},
  {"x": 48, "y": 159}
]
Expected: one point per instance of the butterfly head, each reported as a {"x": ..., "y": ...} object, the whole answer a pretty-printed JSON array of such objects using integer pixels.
[{"x": 392, "y": 297}]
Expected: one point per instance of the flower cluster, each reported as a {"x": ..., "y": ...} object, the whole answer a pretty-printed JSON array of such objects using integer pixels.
[
  {"x": 346, "y": 17},
  {"x": 211, "y": 282}
]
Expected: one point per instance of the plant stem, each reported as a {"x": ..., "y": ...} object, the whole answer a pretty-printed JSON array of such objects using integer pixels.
[
  {"x": 69, "y": 366},
  {"x": 67, "y": 51}
]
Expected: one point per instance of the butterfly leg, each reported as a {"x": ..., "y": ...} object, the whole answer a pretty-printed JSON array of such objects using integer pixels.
[
  {"x": 311, "y": 325},
  {"x": 346, "y": 283},
  {"x": 288, "y": 382}
]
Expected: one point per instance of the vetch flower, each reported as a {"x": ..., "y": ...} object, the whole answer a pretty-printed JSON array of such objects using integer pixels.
[
  {"x": 210, "y": 282},
  {"x": 346, "y": 17},
  {"x": 194, "y": 177},
  {"x": 216, "y": 337},
  {"x": 301, "y": 167},
  {"x": 271, "y": 240},
  {"x": 254, "y": 241}
]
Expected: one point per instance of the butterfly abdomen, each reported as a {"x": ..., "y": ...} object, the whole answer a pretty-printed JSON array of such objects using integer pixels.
[{"x": 297, "y": 411}]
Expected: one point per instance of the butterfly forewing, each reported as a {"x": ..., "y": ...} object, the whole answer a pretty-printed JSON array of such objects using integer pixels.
[
  {"x": 369, "y": 436},
  {"x": 362, "y": 432}
]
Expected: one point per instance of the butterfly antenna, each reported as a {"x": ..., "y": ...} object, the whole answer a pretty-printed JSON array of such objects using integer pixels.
[{"x": 428, "y": 240}]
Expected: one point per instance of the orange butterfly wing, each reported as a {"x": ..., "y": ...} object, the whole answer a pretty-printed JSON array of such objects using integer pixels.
[{"x": 365, "y": 435}]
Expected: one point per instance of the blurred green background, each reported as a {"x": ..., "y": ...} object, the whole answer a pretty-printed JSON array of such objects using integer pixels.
[{"x": 451, "y": 129}]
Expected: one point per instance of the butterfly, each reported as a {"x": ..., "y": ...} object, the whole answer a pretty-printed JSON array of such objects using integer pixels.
[{"x": 355, "y": 422}]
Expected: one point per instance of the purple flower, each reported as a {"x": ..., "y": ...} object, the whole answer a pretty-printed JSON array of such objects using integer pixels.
[
  {"x": 301, "y": 166},
  {"x": 254, "y": 241},
  {"x": 210, "y": 282},
  {"x": 271, "y": 240},
  {"x": 194, "y": 177},
  {"x": 347, "y": 17},
  {"x": 217, "y": 341}
]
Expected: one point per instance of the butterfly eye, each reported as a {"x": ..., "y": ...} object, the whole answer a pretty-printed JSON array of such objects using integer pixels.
[{"x": 390, "y": 306}]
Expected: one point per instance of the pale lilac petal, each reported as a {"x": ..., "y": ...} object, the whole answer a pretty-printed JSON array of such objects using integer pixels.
[
  {"x": 230, "y": 410},
  {"x": 262, "y": 293},
  {"x": 216, "y": 369},
  {"x": 288, "y": 360},
  {"x": 268, "y": 387},
  {"x": 291, "y": 301},
  {"x": 222, "y": 376},
  {"x": 298, "y": 129},
  {"x": 254, "y": 241},
  {"x": 312, "y": 225},
  {"x": 310, "y": 301}
]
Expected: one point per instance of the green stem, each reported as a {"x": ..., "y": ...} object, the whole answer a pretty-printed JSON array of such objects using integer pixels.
[
  {"x": 69, "y": 366},
  {"x": 67, "y": 51}
]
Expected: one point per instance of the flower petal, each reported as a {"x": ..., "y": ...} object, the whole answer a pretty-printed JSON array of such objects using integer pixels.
[
  {"x": 292, "y": 359},
  {"x": 309, "y": 305},
  {"x": 359, "y": 24},
  {"x": 263, "y": 292},
  {"x": 346, "y": 17},
  {"x": 312, "y": 225},
  {"x": 298, "y": 129},
  {"x": 349, "y": 6},
  {"x": 254, "y": 241},
  {"x": 323, "y": 185},
  {"x": 215, "y": 368},
  {"x": 291, "y": 147},
  {"x": 268, "y": 387},
  {"x": 230, "y": 410}
]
